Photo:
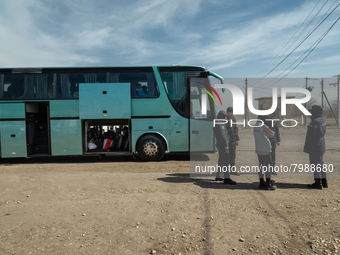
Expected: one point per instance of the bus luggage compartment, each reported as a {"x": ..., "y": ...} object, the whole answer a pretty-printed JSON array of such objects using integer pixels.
[{"x": 107, "y": 136}]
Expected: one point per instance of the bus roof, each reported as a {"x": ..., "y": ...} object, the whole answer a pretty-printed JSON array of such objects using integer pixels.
[{"x": 103, "y": 68}]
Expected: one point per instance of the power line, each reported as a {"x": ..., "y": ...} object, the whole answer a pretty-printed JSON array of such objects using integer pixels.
[
  {"x": 306, "y": 37},
  {"x": 312, "y": 20},
  {"x": 319, "y": 41},
  {"x": 309, "y": 51},
  {"x": 279, "y": 54}
]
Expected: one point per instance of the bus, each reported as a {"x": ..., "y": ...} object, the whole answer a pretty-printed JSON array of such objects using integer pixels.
[{"x": 145, "y": 111}]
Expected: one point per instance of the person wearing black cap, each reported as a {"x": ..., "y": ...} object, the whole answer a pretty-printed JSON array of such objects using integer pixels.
[
  {"x": 315, "y": 146},
  {"x": 262, "y": 133},
  {"x": 233, "y": 137},
  {"x": 221, "y": 134}
]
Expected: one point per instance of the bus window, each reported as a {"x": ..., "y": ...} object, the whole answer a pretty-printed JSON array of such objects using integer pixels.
[
  {"x": 143, "y": 84},
  {"x": 175, "y": 86},
  {"x": 27, "y": 86},
  {"x": 68, "y": 84}
]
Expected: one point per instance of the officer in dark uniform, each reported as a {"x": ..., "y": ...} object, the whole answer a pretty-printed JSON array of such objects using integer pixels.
[
  {"x": 233, "y": 137},
  {"x": 315, "y": 147},
  {"x": 274, "y": 126},
  {"x": 222, "y": 144}
]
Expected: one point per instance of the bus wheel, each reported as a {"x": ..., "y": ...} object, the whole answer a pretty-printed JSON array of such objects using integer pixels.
[{"x": 150, "y": 148}]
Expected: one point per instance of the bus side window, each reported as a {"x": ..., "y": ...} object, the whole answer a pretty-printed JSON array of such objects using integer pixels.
[
  {"x": 16, "y": 89},
  {"x": 175, "y": 83},
  {"x": 134, "y": 89},
  {"x": 143, "y": 84}
]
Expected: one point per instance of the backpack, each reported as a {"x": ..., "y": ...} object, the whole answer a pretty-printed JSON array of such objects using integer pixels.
[
  {"x": 98, "y": 141},
  {"x": 107, "y": 144},
  {"x": 110, "y": 134}
]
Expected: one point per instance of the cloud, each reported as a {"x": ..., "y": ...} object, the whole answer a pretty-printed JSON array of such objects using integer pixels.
[
  {"x": 261, "y": 39},
  {"x": 222, "y": 35},
  {"x": 23, "y": 43}
]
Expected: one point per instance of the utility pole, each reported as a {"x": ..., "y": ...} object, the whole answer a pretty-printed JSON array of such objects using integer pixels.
[
  {"x": 322, "y": 93},
  {"x": 338, "y": 102},
  {"x": 246, "y": 104},
  {"x": 306, "y": 103},
  {"x": 330, "y": 107},
  {"x": 337, "y": 118}
]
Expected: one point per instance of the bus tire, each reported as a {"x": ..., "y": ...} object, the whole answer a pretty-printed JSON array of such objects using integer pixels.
[{"x": 150, "y": 148}]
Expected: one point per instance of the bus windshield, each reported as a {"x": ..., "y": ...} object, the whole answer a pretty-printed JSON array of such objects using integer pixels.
[{"x": 175, "y": 84}]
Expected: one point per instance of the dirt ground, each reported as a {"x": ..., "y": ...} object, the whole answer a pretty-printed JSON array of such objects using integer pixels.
[{"x": 83, "y": 205}]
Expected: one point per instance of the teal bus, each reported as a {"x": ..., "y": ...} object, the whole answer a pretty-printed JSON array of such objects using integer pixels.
[{"x": 145, "y": 111}]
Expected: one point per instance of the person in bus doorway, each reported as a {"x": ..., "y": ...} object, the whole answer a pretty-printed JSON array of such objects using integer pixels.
[
  {"x": 262, "y": 134},
  {"x": 222, "y": 144},
  {"x": 276, "y": 140},
  {"x": 315, "y": 146},
  {"x": 233, "y": 138}
]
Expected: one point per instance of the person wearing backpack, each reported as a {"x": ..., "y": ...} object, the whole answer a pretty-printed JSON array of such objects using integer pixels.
[{"x": 263, "y": 149}]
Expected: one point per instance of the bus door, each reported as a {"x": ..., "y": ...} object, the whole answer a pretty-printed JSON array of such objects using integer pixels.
[
  {"x": 38, "y": 128},
  {"x": 13, "y": 130},
  {"x": 201, "y": 126}
]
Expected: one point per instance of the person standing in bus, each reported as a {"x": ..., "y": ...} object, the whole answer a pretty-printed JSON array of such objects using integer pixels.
[
  {"x": 233, "y": 137},
  {"x": 222, "y": 144},
  {"x": 143, "y": 92},
  {"x": 262, "y": 134}
]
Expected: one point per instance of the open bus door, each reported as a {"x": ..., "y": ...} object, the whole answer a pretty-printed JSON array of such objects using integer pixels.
[{"x": 201, "y": 126}]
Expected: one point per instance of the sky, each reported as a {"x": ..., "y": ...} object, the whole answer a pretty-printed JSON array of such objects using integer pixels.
[{"x": 234, "y": 38}]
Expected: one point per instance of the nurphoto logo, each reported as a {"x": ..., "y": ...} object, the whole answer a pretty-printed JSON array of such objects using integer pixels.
[
  {"x": 238, "y": 100},
  {"x": 238, "y": 103}
]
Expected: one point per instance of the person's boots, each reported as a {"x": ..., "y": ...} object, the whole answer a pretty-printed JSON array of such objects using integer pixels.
[
  {"x": 229, "y": 181},
  {"x": 262, "y": 184},
  {"x": 316, "y": 184},
  {"x": 324, "y": 183},
  {"x": 270, "y": 184}
]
